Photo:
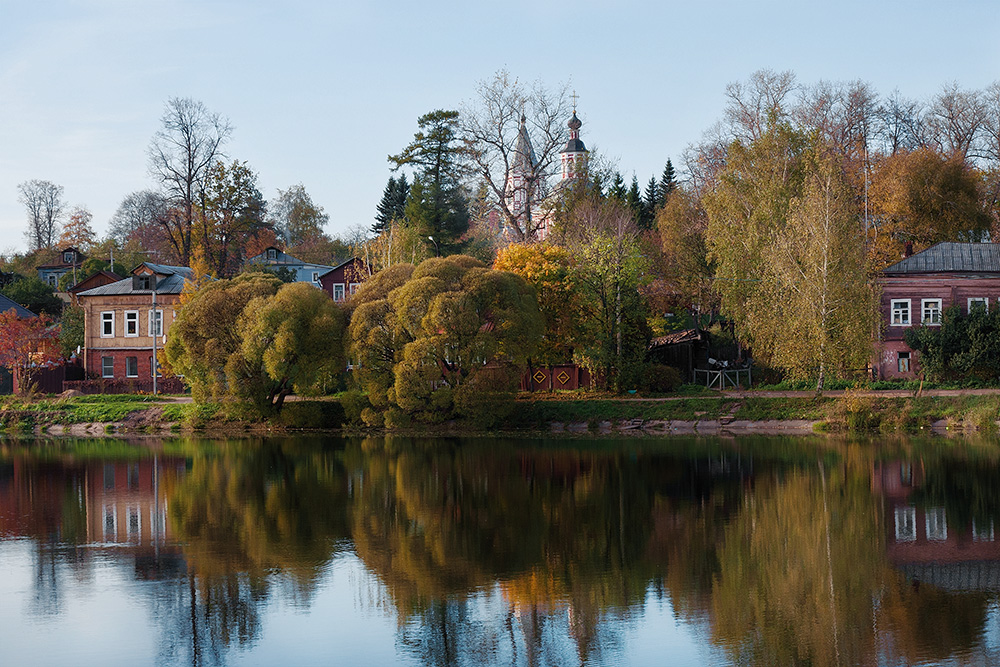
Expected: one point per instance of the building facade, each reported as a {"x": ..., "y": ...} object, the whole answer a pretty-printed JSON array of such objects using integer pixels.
[
  {"x": 122, "y": 326},
  {"x": 274, "y": 259},
  {"x": 343, "y": 280},
  {"x": 69, "y": 259},
  {"x": 916, "y": 291}
]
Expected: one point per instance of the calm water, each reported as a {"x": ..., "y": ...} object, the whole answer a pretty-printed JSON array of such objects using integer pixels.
[{"x": 448, "y": 552}]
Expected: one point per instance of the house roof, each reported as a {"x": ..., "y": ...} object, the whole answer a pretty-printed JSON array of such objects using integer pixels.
[
  {"x": 341, "y": 265},
  {"x": 951, "y": 258},
  {"x": 58, "y": 262},
  {"x": 103, "y": 277},
  {"x": 282, "y": 258},
  {"x": 676, "y": 338},
  {"x": 172, "y": 279},
  {"x": 9, "y": 304}
]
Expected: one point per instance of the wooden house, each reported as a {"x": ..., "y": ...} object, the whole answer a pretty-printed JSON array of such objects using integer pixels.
[
  {"x": 916, "y": 290},
  {"x": 102, "y": 277},
  {"x": 274, "y": 258},
  {"x": 344, "y": 279},
  {"x": 121, "y": 326},
  {"x": 68, "y": 259}
]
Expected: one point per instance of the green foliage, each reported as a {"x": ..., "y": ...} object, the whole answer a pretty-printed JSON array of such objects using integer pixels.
[
  {"x": 204, "y": 336},
  {"x": 71, "y": 330},
  {"x": 661, "y": 378},
  {"x": 35, "y": 295},
  {"x": 295, "y": 337},
  {"x": 421, "y": 334},
  {"x": 964, "y": 346},
  {"x": 313, "y": 415},
  {"x": 392, "y": 205}
]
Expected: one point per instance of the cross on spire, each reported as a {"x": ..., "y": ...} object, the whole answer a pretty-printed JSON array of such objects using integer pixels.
[{"x": 575, "y": 98}]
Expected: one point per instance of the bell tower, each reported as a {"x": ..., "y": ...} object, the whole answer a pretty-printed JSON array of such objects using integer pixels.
[{"x": 574, "y": 155}]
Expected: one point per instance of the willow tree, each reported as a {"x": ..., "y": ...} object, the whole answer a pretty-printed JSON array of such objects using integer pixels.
[{"x": 786, "y": 239}]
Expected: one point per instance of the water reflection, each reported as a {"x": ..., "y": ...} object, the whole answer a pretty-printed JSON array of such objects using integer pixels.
[{"x": 502, "y": 552}]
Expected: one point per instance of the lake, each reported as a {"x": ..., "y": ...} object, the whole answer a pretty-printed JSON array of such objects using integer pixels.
[{"x": 408, "y": 551}]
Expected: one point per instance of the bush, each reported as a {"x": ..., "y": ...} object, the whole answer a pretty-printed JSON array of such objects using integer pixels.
[
  {"x": 661, "y": 378},
  {"x": 312, "y": 414},
  {"x": 354, "y": 403}
]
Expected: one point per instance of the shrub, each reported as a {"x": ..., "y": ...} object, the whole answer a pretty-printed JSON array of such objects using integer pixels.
[
  {"x": 354, "y": 403},
  {"x": 661, "y": 378},
  {"x": 312, "y": 414}
]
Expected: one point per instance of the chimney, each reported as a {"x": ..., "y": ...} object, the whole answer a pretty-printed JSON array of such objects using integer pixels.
[{"x": 908, "y": 249}]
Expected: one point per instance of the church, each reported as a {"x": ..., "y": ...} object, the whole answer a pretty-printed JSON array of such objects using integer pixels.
[{"x": 526, "y": 189}]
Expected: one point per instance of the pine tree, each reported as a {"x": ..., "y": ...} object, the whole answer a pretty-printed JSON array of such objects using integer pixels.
[
  {"x": 668, "y": 182},
  {"x": 633, "y": 200},
  {"x": 445, "y": 210},
  {"x": 617, "y": 190},
  {"x": 393, "y": 203},
  {"x": 650, "y": 204}
]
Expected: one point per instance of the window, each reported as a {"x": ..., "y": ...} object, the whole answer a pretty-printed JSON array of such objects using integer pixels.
[
  {"x": 108, "y": 324},
  {"x": 68, "y": 257},
  {"x": 155, "y": 323},
  {"x": 315, "y": 276},
  {"x": 976, "y": 302},
  {"x": 338, "y": 291},
  {"x": 109, "y": 476},
  {"x": 132, "y": 323},
  {"x": 131, "y": 367},
  {"x": 51, "y": 279},
  {"x": 107, "y": 367},
  {"x": 900, "y": 313},
  {"x": 937, "y": 524},
  {"x": 144, "y": 282},
  {"x": 982, "y": 531},
  {"x": 110, "y": 523},
  {"x": 134, "y": 527},
  {"x": 931, "y": 312},
  {"x": 272, "y": 253},
  {"x": 903, "y": 362},
  {"x": 133, "y": 476},
  {"x": 354, "y": 287},
  {"x": 906, "y": 524}
]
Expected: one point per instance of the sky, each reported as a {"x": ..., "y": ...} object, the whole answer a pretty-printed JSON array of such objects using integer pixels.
[{"x": 320, "y": 93}]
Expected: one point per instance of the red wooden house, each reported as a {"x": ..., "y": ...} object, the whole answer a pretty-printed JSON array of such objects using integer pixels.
[
  {"x": 343, "y": 280},
  {"x": 916, "y": 290}
]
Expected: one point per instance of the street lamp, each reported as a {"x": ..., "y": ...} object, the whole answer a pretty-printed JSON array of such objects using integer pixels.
[{"x": 437, "y": 248}]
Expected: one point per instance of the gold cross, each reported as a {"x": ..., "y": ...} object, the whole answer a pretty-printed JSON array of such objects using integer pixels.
[{"x": 575, "y": 98}]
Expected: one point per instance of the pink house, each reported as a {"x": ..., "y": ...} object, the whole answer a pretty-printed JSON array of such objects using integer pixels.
[{"x": 916, "y": 290}]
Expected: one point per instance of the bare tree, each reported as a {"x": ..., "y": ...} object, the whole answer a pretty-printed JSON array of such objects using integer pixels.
[
  {"x": 758, "y": 104},
  {"x": 955, "y": 120},
  {"x": 493, "y": 128},
  {"x": 137, "y": 211},
  {"x": 901, "y": 124},
  {"x": 844, "y": 114},
  {"x": 180, "y": 155},
  {"x": 44, "y": 202}
]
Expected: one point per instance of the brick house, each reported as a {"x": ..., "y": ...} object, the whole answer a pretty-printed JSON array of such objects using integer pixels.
[
  {"x": 917, "y": 290},
  {"x": 120, "y": 326},
  {"x": 344, "y": 279}
]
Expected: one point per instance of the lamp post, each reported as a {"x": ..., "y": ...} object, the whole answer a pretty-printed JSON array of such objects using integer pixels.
[{"x": 437, "y": 248}]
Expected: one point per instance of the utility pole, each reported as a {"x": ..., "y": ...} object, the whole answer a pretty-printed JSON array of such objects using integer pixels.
[{"x": 153, "y": 325}]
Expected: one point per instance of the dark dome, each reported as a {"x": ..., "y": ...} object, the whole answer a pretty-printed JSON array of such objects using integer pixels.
[{"x": 574, "y": 122}]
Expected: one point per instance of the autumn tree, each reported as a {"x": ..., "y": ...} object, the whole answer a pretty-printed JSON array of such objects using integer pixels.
[
  {"x": 295, "y": 336},
  {"x": 295, "y": 218},
  {"x": 492, "y": 127},
  {"x": 549, "y": 269},
  {"x": 204, "y": 336},
  {"x": 923, "y": 197},
  {"x": 424, "y": 337},
  {"x": 27, "y": 344},
  {"x": 44, "y": 203},
  {"x": 230, "y": 212},
  {"x": 436, "y": 205},
  {"x": 181, "y": 154},
  {"x": 77, "y": 231}
]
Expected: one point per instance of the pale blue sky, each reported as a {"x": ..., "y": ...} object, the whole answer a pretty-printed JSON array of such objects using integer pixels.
[{"x": 321, "y": 92}]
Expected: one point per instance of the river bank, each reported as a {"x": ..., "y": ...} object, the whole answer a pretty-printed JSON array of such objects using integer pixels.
[{"x": 742, "y": 412}]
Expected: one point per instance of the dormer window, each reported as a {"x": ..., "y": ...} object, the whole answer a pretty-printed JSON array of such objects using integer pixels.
[
  {"x": 68, "y": 257},
  {"x": 272, "y": 253},
  {"x": 146, "y": 282}
]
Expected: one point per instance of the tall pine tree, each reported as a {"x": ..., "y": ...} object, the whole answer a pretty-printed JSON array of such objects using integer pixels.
[
  {"x": 668, "y": 182},
  {"x": 444, "y": 209},
  {"x": 650, "y": 204},
  {"x": 633, "y": 200},
  {"x": 393, "y": 203}
]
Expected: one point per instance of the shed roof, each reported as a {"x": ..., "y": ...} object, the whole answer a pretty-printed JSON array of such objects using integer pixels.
[{"x": 948, "y": 257}]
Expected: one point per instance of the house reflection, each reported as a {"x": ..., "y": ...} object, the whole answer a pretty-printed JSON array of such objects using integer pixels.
[{"x": 929, "y": 544}]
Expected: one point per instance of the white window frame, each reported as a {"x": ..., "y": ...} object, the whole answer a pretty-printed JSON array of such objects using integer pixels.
[
  {"x": 899, "y": 362},
  {"x": 982, "y": 533},
  {"x": 906, "y": 524},
  {"x": 978, "y": 299},
  {"x": 110, "y": 527},
  {"x": 897, "y": 310},
  {"x": 105, "y": 320},
  {"x": 936, "y": 524},
  {"x": 132, "y": 317},
  {"x": 315, "y": 277},
  {"x": 354, "y": 288},
  {"x": 134, "y": 369},
  {"x": 272, "y": 253},
  {"x": 104, "y": 369},
  {"x": 153, "y": 331},
  {"x": 52, "y": 280},
  {"x": 924, "y": 307},
  {"x": 342, "y": 291},
  {"x": 133, "y": 530}
]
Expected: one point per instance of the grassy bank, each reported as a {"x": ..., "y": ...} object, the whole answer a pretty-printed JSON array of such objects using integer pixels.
[{"x": 852, "y": 412}]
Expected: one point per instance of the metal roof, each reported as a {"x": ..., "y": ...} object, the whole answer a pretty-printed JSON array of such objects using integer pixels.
[
  {"x": 171, "y": 284},
  {"x": 8, "y": 304},
  {"x": 951, "y": 257}
]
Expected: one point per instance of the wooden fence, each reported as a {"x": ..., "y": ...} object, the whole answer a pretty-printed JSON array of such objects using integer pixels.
[{"x": 551, "y": 378}]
